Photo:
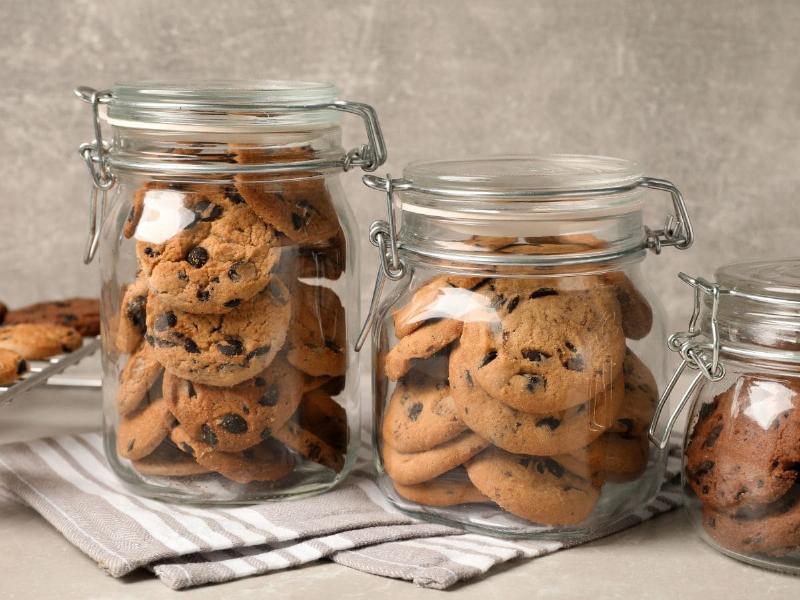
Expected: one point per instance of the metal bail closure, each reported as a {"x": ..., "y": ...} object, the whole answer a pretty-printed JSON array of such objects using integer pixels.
[
  {"x": 382, "y": 235},
  {"x": 95, "y": 155},
  {"x": 697, "y": 354},
  {"x": 678, "y": 230}
]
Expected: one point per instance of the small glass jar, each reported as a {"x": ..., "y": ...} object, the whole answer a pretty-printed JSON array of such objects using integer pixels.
[
  {"x": 741, "y": 467},
  {"x": 518, "y": 356},
  {"x": 229, "y": 286}
]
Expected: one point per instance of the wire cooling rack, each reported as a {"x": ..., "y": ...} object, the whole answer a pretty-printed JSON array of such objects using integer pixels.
[{"x": 49, "y": 372}]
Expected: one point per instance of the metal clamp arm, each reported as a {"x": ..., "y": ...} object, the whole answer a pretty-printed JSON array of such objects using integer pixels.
[{"x": 678, "y": 230}]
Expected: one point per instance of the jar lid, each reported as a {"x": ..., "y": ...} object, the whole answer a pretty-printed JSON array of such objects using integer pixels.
[
  {"x": 522, "y": 176},
  {"x": 222, "y": 106},
  {"x": 515, "y": 186},
  {"x": 760, "y": 303}
]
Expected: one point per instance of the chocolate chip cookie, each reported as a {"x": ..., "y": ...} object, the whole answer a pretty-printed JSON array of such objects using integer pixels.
[
  {"x": 268, "y": 461},
  {"x": 298, "y": 204},
  {"x": 546, "y": 346},
  {"x": 743, "y": 452},
  {"x": 309, "y": 445},
  {"x": 521, "y": 432},
  {"x": 424, "y": 342},
  {"x": 421, "y": 414},
  {"x": 325, "y": 260},
  {"x": 12, "y": 365},
  {"x": 220, "y": 350},
  {"x": 82, "y": 314},
  {"x": 611, "y": 457},
  {"x": 537, "y": 489},
  {"x": 132, "y": 320},
  {"x": 440, "y": 298},
  {"x": 641, "y": 397},
  {"x": 238, "y": 417},
  {"x": 637, "y": 314},
  {"x": 417, "y": 467},
  {"x": 318, "y": 331},
  {"x": 324, "y": 417},
  {"x": 139, "y": 375},
  {"x": 141, "y": 432},
  {"x": 220, "y": 259},
  {"x": 168, "y": 461},
  {"x": 774, "y": 530},
  {"x": 450, "y": 489},
  {"x": 37, "y": 341}
]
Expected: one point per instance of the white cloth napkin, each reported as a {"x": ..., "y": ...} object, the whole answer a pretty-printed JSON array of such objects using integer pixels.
[{"x": 67, "y": 480}]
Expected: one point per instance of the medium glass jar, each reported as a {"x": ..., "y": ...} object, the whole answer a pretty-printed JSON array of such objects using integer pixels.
[
  {"x": 518, "y": 357},
  {"x": 229, "y": 286},
  {"x": 741, "y": 474}
]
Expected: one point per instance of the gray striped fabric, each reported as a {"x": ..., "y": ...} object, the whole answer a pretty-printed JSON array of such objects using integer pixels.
[{"x": 67, "y": 480}]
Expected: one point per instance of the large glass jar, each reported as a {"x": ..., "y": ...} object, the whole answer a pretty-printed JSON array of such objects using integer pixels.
[
  {"x": 229, "y": 286},
  {"x": 518, "y": 356},
  {"x": 741, "y": 472}
]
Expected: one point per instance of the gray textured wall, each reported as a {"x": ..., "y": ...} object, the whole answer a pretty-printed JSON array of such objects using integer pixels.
[{"x": 704, "y": 93}]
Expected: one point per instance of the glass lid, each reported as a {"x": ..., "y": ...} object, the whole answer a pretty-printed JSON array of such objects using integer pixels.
[
  {"x": 521, "y": 176},
  {"x": 760, "y": 303},
  {"x": 221, "y": 105}
]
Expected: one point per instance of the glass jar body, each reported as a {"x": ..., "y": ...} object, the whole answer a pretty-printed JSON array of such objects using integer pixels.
[
  {"x": 516, "y": 401},
  {"x": 229, "y": 302},
  {"x": 741, "y": 471}
]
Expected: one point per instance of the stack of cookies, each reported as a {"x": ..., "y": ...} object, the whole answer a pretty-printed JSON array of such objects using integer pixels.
[
  {"x": 519, "y": 392},
  {"x": 743, "y": 465},
  {"x": 232, "y": 360},
  {"x": 43, "y": 330}
]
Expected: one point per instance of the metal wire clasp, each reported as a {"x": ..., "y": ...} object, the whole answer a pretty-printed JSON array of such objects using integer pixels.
[
  {"x": 95, "y": 155},
  {"x": 697, "y": 354},
  {"x": 382, "y": 235},
  {"x": 678, "y": 230}
]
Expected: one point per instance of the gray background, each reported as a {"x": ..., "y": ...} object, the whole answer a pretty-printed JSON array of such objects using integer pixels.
[{"x": 706, "y": 94}]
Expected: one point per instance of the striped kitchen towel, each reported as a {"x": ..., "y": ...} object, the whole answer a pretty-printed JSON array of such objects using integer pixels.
[{"x": 66, "y": 479}]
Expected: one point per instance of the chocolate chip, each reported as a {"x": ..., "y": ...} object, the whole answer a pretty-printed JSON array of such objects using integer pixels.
[
  {"x": 535, "y": 382},
  {"x": 135, "y": 312},
  {"x": 332, "y": 345},
  {"x": 163, "y": 342},
  {"x": 258, "y": 352},
  {"x": 190, "y": 346},
  {"x": 552, "y": 423},
  {"x": 468, "y": 377},
  {"x": 270, "y": 396},
  {"x": 203, "y": 295},
  {"x": 233, "y": 423},
  {"x": 231, "y": 347},
  {"x": 233, "y": 303},
  {"x": 182, "y": 275},
  {"x": 207, "y": 211},
  {"x": 234, "y": 196},
  {"x": 498, "y": 301},
  {"x": 575, "y": 363},
  {"x": 260, "y": 381},
  {"x": 706, "y": 410},
  {"x": 148, "y": 251},
  {"x": 542, "y": 292},
  {"x": 414, "y": 411},
  {"x": 233, "y": 274},
  {"x": 166, "y": 321},
  {"x": 490, "y": 356},
  {"x": 197, "y": 257},
  {"x": 703, "y": 468},
  {"x": 297, "y": 221},
  {"x": 131, "y": 444},
  {"x": 534, "y": 355},
  {"x": 555, "y": 468},
  {"x": 190, "y": 389},
  {"x": 245, "y": 409},
  {"x": 570, "y": 346},
  {"x": 207, "y": 435},
  {"x": 512, "y": 304},
  {"x": 524, "y": 461},
  {"x": 713, "y": 435}
]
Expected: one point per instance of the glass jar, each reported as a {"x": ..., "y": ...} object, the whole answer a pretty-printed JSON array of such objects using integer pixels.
[
  {"x": 229, "y": 286},
  {"x": 741, "y": 467},
  {"x": 518, "y": 353}
]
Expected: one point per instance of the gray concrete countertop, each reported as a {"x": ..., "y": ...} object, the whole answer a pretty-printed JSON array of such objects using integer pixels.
[{"x": 660, "y": 559}]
